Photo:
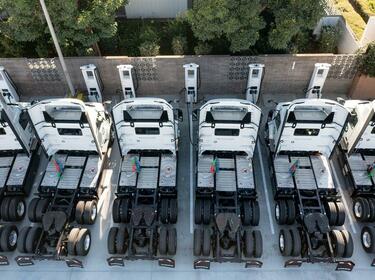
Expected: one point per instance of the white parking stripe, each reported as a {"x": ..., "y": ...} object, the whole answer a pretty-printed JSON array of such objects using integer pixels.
[
  {"x": 348, "y": 212},
  {"x": 265, "y": 189}
]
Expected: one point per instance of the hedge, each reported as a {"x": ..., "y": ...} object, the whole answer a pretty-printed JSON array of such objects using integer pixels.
[{"x": 365, "y": 8}]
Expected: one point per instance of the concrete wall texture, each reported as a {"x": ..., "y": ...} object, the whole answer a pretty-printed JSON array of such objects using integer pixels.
[{"x": 226, "y": 75}]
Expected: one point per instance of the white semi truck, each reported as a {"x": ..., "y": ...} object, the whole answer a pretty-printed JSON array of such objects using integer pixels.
[
  {"x": 18, "y": 159},
  {"x": 145, "y": 207},
  {"x": 358, "y": 162},
  {"x": 226, "y": 206},
  {"x": 302, "y": 136},
  {"x": 74, "y": 137}
]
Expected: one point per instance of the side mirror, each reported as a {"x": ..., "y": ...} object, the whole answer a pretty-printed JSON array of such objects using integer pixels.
[
  {"x": 272, "y": 101},
  {"x": 195, "y": 114},
  {"x": 178, "y": 115}
]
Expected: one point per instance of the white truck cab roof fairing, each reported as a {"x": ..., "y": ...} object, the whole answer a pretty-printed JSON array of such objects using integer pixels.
[
  {"x": 229, "y": 125},
  {"x": 70, "y": 125},
  {"x": 310, "y": 125},
  {"x": 145, "y": 124}
]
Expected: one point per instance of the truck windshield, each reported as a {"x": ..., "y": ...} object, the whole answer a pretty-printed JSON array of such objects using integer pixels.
[
  {"x": 145, "y": 114},
  {"x": 228, "y": 114},
  {"x": 311, "y": 115},
  {"x": 64, "y": 114}
]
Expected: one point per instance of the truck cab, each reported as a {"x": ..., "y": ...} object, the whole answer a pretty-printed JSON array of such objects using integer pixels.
[
  {"x": 302, "y": 136},
  {"x": 74, "y": 137},
  {"x": 146, "y": 200},
  {"x": 226, "y": 206}
]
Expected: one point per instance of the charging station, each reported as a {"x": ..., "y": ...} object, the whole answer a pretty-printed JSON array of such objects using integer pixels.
[
  {"x": 93, "y": 83},
  {"x": 126, "y": 72},
  {"x": 191, "y": 82},
  {"x": 317, "y": 80},
  {"x": 254, "y": 82},
  {"x": 7, "y": 87}
]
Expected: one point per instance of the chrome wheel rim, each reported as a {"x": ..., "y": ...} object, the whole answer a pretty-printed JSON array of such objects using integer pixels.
[
  {"x": 366, "y": 239},
  {"x": 20, "y": 209},
  {"x": 93, "y": 212},
  {"x": 357, "y": 210},
  {"x": 12, "y": 239},
  {"x": 282, "y": 242},
  {"x": 277, "y": 212},
  {"x": 87, "y": 242}
]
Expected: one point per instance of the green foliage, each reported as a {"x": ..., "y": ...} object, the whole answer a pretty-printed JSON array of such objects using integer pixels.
[
  {"x": 150, "y": 39},
  {"x": 237, "y": 21},
  {"x": 329, "y": 38},
  {"x": 202, "y": 48},
  {"x": 366, "y": 60},
  {"x": 179, "y": 45},
  {"x": 149, "y": 48},
  {"x": 78, "y": 24},
  {"x": 365, "y": 8},
  {"x": 355, "y": 21},
  {"x": 292, "y": 17}
]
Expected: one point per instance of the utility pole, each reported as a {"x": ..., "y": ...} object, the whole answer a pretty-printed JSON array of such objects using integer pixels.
[{"x": 57, "y": 46}]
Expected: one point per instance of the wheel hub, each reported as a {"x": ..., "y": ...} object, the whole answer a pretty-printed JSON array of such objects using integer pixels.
[
  {"x": 281, "y": 242},
  {"x": 277, "y": 212},
  {"x": 358, "y": 210},
  {"x": 12, "y": 239},
  {"x": 93, "y": 212},
  {"x": 366, "y": 239},
  {"x": 20, "y": 209},
  {"x": 87, "y": 242}
]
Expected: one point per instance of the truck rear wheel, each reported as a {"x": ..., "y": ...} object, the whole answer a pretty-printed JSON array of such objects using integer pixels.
[
  {"x": 116, "y": 210},
  {"x": 8, "y": 238},
  {"x": 340, "y": 220},
  {"x": 361, "y": 209},
  {"x": 349, "y": 246},
  {"x": 206, "y": 251},
  {"x": 5, "y": 208},
  {"x": 281, "y": 212},
  {"x": 111, "y": 241},
  {"x": 124, "y": 210},
  {"x": 121, "y": 241},
  {"x": 17, "y": 208},
  {"x": 41, "y": 209},
  {"x": 248, "y": 244},
  {"x": 83, "y": 242},
  {"x": 173, "y": 210},
  {"x": 368, "y": 239},
  {"x": 338, "y": 243},
  {"x": 331, "y": 212},
  {"x": 72, "y": 240},
  {"x": 21, "y": 242},
  {"x": 198, "y": 236},
  {"x": 372, "y": 209},
  {"x": 256, "y": 213},
  {"x": 32, "y": 239},
  {"x": 31, "y": 209},
  {"x": 296, "y": 237},
  {"x": 198, "y": 211},
  {"x": 164, "y": 210},
  {"x": 90, "y": 212},
  {"x": 258, "y": 242},
  {"x": 291, "y": 209},
  {"x": 80, "y": 208},
  {"x": 172, "y": 241},
  {"x": 285, "y": 242},
  {"x": 163, "y": 241},
  {"x": 247, "y": 215},
  {"x": 206, "y": 211}
]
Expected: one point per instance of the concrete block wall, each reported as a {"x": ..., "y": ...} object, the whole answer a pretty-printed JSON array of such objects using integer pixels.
[{"x": 220, "y": 75}]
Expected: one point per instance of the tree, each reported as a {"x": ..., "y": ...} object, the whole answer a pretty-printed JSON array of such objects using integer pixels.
[
  {"x": 237, "y": 21},
  {"x": 366, "y": 60},
  {"x": 79, "y": 24},
  {"x": 292, "y": 17}
]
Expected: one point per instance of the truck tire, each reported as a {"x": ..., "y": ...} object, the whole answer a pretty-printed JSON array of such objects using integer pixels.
[
  {"x": 83, "y": 242},
  {"x": 338, "y": 243},
  {"x": 32, "y": 239},
  {"x": 349, "y": 246},
  {"x": 173, "y": 210},
  {"x": 256, "y": 214},
  {"x": 258, "y": 242},
  {"x": 17, "y": 209},
  {"x": 164, "y": 210},
  {"x": 291, "y": 208},
  {"x": 172, "y": 241},
  {"x": 41, "y": 208},
  {"x": 198, "y": 211},
  {"x": 5, "y": 208},
  {"x": 206, "y": 211},
  {"x": 121, "y": 241},
  {"x": 116, "y": 210},
  {"x": 285, "y": 242},
  {"x": 361, "y": 209},
  {"x": 297, "y": 246},
  {"x": 8, "y": 238},
  {"x": 21, "y": 242},
  {"x": 111, "y": 241},
  {"x": 331, "y": 212},
  {"x": 248, "y": 239},
  {"x": 72, "y": 240},
  {"x": 368, "y": 239},
  {"x": 90, "y": 212},
  {"x": 32, "y": 208},
  {"x": 163, "y": 241},
  {"x": 247, "y": 212},
  {"x": 206, "y": 250},
  {"x": 372, "y": 209},
  {"x": 340, "y": 220},
  {"x": 80, "y": 208},
  {"x": 124, "y": 210},
  {"x": 281, "y": 212},
  {"x": 198, "y": 236}
]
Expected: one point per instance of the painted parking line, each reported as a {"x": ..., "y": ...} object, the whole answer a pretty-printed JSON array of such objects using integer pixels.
[
  {"x": 265, "y": 189},
  {"x": 344, "y": 201}
]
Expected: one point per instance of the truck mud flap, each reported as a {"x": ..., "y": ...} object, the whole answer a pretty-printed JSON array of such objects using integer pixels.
[
  {"x": 73, "y": 263},
  {"x": 253, "y": 264},
  {"x": 24, "y": 260},
  {"x": 4, "y": 260},
  {"x": 202, "y": 264},
  {"x": 167, "y": 262},
  {"x": 373, "y": 262},
  {"x": 115, "y": 261},
  {"x": 293, "y": 263},
  {"x": 345, "y": 265}
]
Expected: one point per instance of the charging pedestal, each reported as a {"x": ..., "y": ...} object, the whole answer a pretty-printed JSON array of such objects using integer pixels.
[
  {"x": 7, "y": 88},
  {"x": 317, "y": 80},
  {"x": 126, "y": 78},
  {"x": 93, "y": 83},
  {"x": 254, "y": 82},
  {"x": 191, "y": 82}
]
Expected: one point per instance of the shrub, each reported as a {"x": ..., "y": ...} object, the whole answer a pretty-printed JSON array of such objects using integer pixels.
[
  {"x": 329, "y": 39},
  {"x": 203, "y": 48},
  {"x": 179, "y": 45},
  {"x": 366, "y": 60},
  {"x": 149, "y": 49}
]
